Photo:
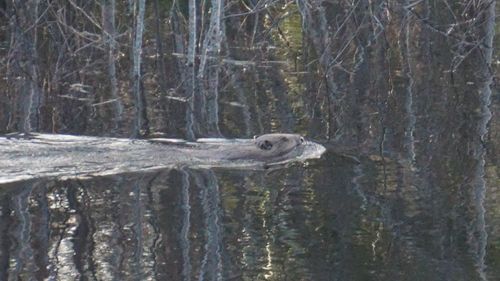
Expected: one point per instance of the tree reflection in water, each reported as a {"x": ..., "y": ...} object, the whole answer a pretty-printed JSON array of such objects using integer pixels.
[
  {"x": 334, "y": 219},
  {"x": 401, "y": 93}
]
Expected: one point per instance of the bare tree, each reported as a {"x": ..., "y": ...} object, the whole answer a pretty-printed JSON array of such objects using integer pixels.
[
  {"x": 210, "y": 67},
  {"x": 160, "y": 49},
  {"x": 109, "y": 34},
  {"x": 22, "y": 65},
  {"x": 315, "y": 25},
  {"x": 192, "y": 126},
  {"x": 141, "y": 126}
]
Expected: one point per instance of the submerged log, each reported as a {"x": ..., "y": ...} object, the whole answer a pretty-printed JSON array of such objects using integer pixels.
[{"x": 66, "y": 156}]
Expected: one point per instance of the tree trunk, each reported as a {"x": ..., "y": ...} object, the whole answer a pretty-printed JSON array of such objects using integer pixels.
[
  {"x": 159, "y": 50},
  {"x": 192, "y": 122},
  {"x": 211, "y": 50},
  {"x": 141, "y": 126},
  {"x": 108, "y": 19},
  {"x": 24, "y": 62}
]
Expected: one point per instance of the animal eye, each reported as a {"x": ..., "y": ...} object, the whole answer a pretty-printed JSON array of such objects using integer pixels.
[
  {"x": 302, "y": 140},
  {"x": 265, "y": 145}
]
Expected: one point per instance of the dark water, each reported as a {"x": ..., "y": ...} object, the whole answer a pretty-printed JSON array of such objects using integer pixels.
[
  {"x": 402, "y": 93},
  {"x": 330, "y": 219}
]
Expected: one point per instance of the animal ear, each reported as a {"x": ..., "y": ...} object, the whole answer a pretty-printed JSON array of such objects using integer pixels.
[{"x": 265, "y": 145}]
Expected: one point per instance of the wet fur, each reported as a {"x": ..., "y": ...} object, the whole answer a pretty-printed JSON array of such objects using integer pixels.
[{"x": 269, "y": 147}]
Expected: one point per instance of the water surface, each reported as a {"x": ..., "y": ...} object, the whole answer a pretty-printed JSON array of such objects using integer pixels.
[{"x": 330, "y": 219}]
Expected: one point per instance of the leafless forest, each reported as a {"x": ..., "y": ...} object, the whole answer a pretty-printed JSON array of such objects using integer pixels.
[
  {"x": 354, "y": 71},
  {"x": 410, "y": 84}
]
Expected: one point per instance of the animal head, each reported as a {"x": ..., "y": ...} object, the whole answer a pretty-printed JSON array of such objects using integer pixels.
[{"x": 278, "y": 144}]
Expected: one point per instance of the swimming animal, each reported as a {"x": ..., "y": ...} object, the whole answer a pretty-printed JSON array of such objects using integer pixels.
[{"x": 65, "y": 156}]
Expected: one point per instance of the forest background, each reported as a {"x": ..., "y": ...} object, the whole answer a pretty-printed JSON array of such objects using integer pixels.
[{"x": 369, "y": 73}]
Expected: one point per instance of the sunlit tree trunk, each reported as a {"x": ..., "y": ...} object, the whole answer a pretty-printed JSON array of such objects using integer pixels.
[
  {"x": 159, "y": 49},
  {"x": 485, "y": 31},
  {"x": 208, "y": 72},
  {"x": 192, "y": 127},
  {"x": 409, "y": 132},
  {"x": 141, "y": 126},
  {"x": 108, "y": 19}
]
